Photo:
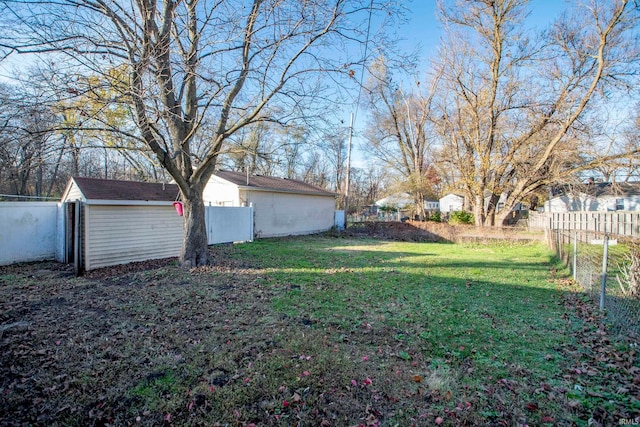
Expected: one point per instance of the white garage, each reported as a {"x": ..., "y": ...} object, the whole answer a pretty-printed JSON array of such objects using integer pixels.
[{"x": 282, "y": 206}]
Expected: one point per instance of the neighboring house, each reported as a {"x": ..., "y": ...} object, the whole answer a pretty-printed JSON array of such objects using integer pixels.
[
  {"x": 451, "y": 203},
  {"x": 398, "y": 201},
  {"x": 402, "y": 200},
  {"x": 431, "y": 205},
  {"x": 283, "y": 207},
  {"x": 109, "y": 222},
  {"x": 595, "y": 197}
]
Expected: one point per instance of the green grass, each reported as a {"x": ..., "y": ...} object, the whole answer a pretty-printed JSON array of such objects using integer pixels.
[
  {"x": 156, "y": 387},
  {"x": 490, "y": 311},
  {"x": 447, "y": 295}
]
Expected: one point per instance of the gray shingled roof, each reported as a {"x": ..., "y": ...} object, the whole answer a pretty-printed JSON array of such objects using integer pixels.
[
  {"x": 619, "y": 189},
  {"x": 272, "y": 183},
  {"x": 599, "y": 189},
  {"x": 109, "y": 189}
]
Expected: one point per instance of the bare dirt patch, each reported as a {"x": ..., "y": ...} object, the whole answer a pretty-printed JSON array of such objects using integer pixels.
[{"x": 417, "y": 231}]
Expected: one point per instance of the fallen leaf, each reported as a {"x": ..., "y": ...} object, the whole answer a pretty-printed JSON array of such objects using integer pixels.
[{"x": 574, "y": 404}]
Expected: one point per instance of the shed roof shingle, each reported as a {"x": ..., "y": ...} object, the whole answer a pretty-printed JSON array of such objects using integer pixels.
[{"x": 109, "y": 189}]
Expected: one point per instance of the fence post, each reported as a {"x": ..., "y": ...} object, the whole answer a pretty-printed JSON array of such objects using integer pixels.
[
  {"x": 77, "y": 264},
  {"x": 252, "y": 219},
  {"x": 560, "y": 243},
  {"x": 575, "y": 255},
  {"x": 605, "y": 256}
]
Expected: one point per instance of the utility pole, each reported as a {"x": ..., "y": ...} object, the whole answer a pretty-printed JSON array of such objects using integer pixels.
[{"x": 348, "y": 174}]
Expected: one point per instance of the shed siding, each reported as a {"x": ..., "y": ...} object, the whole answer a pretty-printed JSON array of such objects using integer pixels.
[
  {"x": 123, "y": 234},
  {"x": 74, "y": 194},
  {"x": 282, "y": 214}
]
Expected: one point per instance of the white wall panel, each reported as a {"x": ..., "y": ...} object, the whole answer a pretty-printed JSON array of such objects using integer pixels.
[
  {"x": 229, "y": 224},
  {"x": 28, "y": 231},
  {"x": 284, "y": 214}
]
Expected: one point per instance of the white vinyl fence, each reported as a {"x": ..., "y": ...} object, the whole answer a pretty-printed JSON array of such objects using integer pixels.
[
  {"x": 229, "y": 224},
  {"x": 29, "y": 231},
  {"x": 338, "y": 220}
]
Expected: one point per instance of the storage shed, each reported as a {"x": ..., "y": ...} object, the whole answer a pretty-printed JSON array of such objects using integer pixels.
[
  {"x": 110, "y": 222},
  {"x": 282, "y": 206}
]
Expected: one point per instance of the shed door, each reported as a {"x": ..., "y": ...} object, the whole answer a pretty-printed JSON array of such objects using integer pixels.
[
  {"x": 73, "y": 235},
  {"x": 70, "y": 231}
]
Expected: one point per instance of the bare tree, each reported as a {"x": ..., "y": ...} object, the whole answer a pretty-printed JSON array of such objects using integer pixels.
[
  {"x": 333, "y": 146},
  {"x": 512, "y": 110},
  {"x": 29, "y": 148},
  {"x": 251, "y": 149},
  {"x": 228, "y": 63},
  {"x": 367, "y": 185},
  {"x": 627, "y": 140},
  {"x": 400, "y": 132}
]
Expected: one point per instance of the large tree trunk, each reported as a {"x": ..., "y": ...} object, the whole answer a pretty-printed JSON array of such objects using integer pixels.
[
  {"x": 490, "y": 218},
  {"x": 501, "y": 218},
  {"x": 478, "y": 211},
  {"x": 418, "y": 200},
  {"x": 195, "y": 251}
]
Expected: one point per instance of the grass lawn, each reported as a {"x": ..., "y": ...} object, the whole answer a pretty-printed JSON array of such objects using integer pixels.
[{"x": 311, "y": 331}]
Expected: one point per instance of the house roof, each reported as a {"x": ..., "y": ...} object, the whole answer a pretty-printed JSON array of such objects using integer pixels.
[
  {"x": 600, "y": 189},
  {"x": 449, "y": 195},
  {"x": 400, "y": 199},
  {"x": 109, "y": 189},
  {"x": 271, "y": 183}
]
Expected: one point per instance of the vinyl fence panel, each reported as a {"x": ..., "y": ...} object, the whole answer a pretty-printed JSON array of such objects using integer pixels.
[
  {"x": 28, "y": 231},
  {"x": 229, "y": 224}
]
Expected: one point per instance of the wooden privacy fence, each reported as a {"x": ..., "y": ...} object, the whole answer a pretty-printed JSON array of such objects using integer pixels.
[{"x": 615, "y": 223}]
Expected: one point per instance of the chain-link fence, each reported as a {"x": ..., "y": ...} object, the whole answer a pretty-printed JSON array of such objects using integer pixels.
[{"x": 607, "y": 269}]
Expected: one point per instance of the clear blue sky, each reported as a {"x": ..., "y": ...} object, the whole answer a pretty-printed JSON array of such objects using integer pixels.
[{"x": 424, "y": 29}]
